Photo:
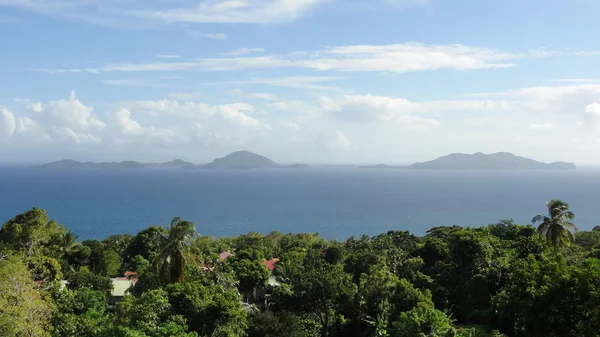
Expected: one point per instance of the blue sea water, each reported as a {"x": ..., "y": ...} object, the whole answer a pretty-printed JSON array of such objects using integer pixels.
[{"x": 337, "y": 203}]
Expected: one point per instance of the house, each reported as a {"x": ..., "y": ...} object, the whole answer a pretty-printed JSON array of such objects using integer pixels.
[
  {"x": 262, "y": 293},
  {"x": 222, "y": 257},
  {"x": 270, "y": 264},
  {"x": 122, "y": 287}
]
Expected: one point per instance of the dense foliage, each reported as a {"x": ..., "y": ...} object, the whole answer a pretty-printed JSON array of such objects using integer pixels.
[{"x": 502, "y": 279}]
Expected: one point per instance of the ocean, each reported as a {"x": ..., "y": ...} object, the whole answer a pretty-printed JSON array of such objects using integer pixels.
[{"x": 335, "y": 202}]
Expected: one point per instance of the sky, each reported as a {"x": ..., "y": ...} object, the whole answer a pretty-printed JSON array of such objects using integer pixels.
[{"x": 310, "y": 81}]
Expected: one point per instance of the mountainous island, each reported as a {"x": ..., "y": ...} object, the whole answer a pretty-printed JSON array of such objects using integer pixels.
[
  {"x": 494, "y": 161},
  {"x": 235, "y": 160},
  {"x": 242, "y": 160}
]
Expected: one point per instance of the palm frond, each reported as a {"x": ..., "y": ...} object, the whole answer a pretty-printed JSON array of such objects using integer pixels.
[{"x": 538, "y": 218}]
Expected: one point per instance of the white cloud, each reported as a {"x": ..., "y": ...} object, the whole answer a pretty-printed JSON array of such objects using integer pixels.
[
  {"x": 592, "y": 116},
  {"x": 73, "y": 114},
  {"x": 374, "y": 126},
  {"x": 546, "y": 126},
  {"x": 264, "y": 96},
  {"x": 333, "y": 141},
  {"x": 168, "y": 56},
  {"x": 143, "y": 13},
  {"x": 232, "y": 11},
  {"x": 391, "y": 58},
  {"x": 133, "y": 83},
  {"x": 295, "y": 82},
  {"x": 290, "y": 125},
  {"x": 213, "y": 36},
  {"x": 128, "y": 125},
  {"x": 244, "y": 51},
  {"x": 8, "y": 123},
  {"x": 577, "y": 80},
  {"x": 68, "y": 134},
  {"x": 260, "y": 95},
  {"x": 235, "y": 113},
  {"x": 35, "y": 107},
  {"x": 185, "y": 96},
  {"x": 26, "y": 124},
  {"x": 367, "y": 108}
]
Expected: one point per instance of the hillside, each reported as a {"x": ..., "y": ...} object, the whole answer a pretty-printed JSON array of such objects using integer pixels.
[
  {"x": 495, "y": 161},
  {"x": 242, "y": 160}
]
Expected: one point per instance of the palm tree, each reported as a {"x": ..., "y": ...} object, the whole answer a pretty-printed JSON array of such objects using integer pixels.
[
  {"x": 557, "y": 226},
  {"x": 176, "y": 252}
]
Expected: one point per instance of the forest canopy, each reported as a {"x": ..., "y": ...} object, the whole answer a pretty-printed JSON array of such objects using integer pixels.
[{"x": 503, "y": 279}]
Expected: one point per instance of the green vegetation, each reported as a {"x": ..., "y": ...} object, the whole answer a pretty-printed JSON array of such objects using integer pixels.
[{"x": 499, "y": 280}]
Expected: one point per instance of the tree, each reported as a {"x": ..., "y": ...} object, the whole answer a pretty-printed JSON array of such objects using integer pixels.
[
  {"x": 322, "y": 289},
  {"x": 80, "y": 313},
  {"x": 33, "y": 233},
  {"x": 209, "y": 309},
  {"x": 175, "y": 250},
  {"x": 270, "y": 324},
  {"x": 23, "y": 311},
  {"x": 146, "y": 244},
  {"x": 587, "y": 240},
  {"x": 415, "y": 315},
  {"x": 557, "y": 226},
  {"x": 250, "y": 274},
  {"x": 84, "y": 278},
  {"x": 149, "y": 316},
  {"x": 548, "y": 297},
  {"x": 423, "y": 321}
]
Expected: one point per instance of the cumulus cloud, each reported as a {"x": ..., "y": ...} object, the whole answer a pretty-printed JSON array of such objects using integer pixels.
[
  {"x": 126, "y": 124},
  {"x": 176, "y": 125},
  {"x": 26, "y": 124},
  {"x": 73, "y": 114},
  {"x": 591, "y": 117},
  {"x": 333, "y": 141},
  {"x": 236, "y": 114},
  {"x": 68, "y": 134},
  {"x": 35, "y": 107},
  {"x": 8, "y": 123},
  {"x": 368, "y": 108}
]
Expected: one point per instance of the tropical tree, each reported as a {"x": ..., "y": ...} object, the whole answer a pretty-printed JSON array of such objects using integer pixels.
[
  {"x": 557, "y": 226},
  {"x": 176, "y": 252},
  {"x": 23, "y": 309}
]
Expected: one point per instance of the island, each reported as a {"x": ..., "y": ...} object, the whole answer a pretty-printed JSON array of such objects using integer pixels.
[
  {"x": 177, "y": 163},
  {"x": 382, "y": 166},
  {"x": 73, "y": 164},
  {"x": 494, "y": 161},
  {"x": 242, "y": 160},
  {"x": 296, "y": 166}
]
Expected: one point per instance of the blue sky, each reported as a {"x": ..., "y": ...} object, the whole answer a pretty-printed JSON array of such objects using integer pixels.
[{"x": 315, "y": 81}]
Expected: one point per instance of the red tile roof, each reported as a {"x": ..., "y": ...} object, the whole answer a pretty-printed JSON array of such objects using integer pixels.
[
  {"x": 225, "y": 255},
  {"x": 270, "y": 264}
]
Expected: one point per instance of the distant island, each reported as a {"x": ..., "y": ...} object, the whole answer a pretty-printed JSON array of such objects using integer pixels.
[
  {"x": 382, "y": 166},
  {"x": 73, "y": 164},
  {"x": 242, "y": 160},
  {"x": 494, "y": 161},
  {"x": 177, "y": 163},
  {"x": 296, "y": 166},
  {"x": 235, "y": 160}
]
